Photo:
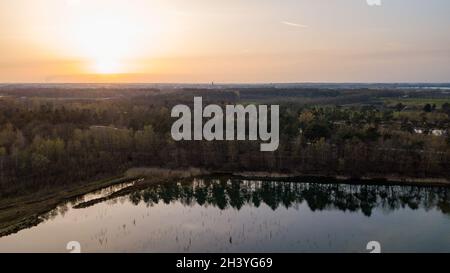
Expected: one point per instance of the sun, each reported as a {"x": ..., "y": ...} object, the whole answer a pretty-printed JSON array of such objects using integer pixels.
[
  {"x": 107, "y": 67},
  {"x": 105, "y": 41},
  {"x": 113, "y": 39}
]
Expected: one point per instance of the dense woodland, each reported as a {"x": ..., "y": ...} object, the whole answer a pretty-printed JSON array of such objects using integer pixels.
[{"x": 60, "y": 135}]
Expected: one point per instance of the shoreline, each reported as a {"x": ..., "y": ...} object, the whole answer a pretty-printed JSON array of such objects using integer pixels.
[
  {"x": 372, "y": 180},
  {"x": 25, "y": 211}
]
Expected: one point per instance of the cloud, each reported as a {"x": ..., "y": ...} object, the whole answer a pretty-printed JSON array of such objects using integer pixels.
[{"x": 291, "y": 24}]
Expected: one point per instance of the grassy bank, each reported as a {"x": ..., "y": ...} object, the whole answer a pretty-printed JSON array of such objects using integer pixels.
[
  {"x": 24, "y": 211},
  {"x": 388, "y": 180},
  {"x": 21, "y": 212}
]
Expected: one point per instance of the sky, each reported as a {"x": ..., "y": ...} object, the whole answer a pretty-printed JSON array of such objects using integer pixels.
[{"x": 225, "y": 41}]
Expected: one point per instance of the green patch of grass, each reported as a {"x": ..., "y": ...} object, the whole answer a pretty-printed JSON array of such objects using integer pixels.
[{"x": 416, "y": 101}]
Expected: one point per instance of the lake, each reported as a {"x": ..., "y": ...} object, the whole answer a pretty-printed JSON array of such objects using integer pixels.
[{"x": 231, "y": 215}]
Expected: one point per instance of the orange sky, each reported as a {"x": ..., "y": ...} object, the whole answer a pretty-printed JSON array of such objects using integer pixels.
[{"x": 224, "y": 41}]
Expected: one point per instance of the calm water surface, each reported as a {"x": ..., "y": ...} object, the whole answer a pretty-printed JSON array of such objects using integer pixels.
[{"x": 226, "y": 215}]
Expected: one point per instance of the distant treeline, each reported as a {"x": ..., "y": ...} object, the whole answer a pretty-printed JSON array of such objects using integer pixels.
[{"x": 62, "y": 136}]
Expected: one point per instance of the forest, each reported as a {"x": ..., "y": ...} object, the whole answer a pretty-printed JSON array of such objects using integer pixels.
[{"x": 61, "y": 135}]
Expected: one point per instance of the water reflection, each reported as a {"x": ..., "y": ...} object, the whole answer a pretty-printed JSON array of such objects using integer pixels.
[
  {"x": 229, "y": 215},
  {"x": 225, "y": 193},
  {"x": 63, "y": 208}
]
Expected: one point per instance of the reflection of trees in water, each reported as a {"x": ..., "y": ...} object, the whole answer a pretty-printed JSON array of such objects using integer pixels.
[{"x": 236, "y": 193}]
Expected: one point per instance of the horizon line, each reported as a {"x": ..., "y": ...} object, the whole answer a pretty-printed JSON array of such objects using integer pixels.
[{"x": 227, "y": 83}]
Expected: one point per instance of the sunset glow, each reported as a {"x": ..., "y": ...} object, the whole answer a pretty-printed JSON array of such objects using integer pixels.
[{"x": 224, "y": 41}]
